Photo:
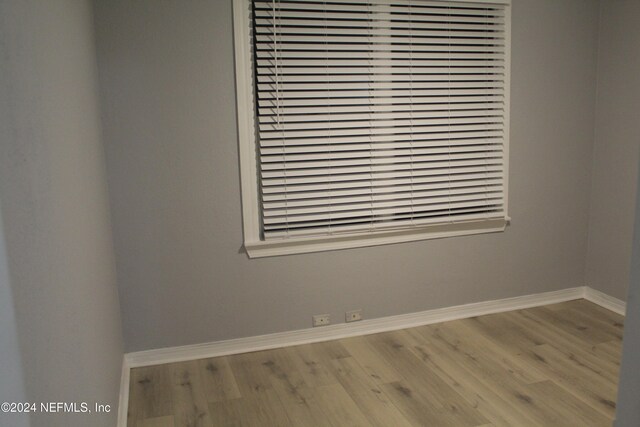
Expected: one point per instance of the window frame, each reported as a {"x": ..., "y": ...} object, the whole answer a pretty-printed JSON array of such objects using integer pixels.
[{"x": 249, "y": 180}]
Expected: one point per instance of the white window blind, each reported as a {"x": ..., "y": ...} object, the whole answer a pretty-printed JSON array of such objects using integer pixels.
[{"x": 377, "y": 115}]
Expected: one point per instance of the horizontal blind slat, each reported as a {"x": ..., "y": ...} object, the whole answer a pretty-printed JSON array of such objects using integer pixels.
[
  {"x": 396, "y": 167},
  {"x": 370, "y": 16},
  {"x": 396, "y": 146},
  {"x": 378, "y": 27},
  {"x": 310, "y": 190},
  {"x": 320, "y": 228},
  {"x": 416, "y": 56},
  {"x": 337, "y": 212},
  {"x": 387, "y": 31},
  {"x": 367, "y": 153},
  {"x": 397, "y": 5},
  {"x": 363, "y": 188},
  {"x": 335, "y": 96},
  {"x": 293, "y": 113},
  {"x": 411, "y": 158},
  {"x": 288, "y": 81},
  {"x": 375, "y": 176},
  {"x": 340, "y": 136},
  {"x": 374, "y": 139},
  {"x": 292, "y": 121},
  {"x": 377, "y": 125},
  {"x": 377, "y": 102},
  {"x": 337, "y": 40},
  {"x": 295, "y": 74},
  {"x": 410, "y": 195},
  {"x": 427, "y": 3},
  {"x": 398, "y": 63},
  {"x": 378, "y": 49},
  {"x": 348, "y": 88}
]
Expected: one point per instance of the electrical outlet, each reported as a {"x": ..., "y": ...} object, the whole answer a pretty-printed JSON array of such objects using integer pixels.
[
  {"x": 321, "y": 320},
  {"x": 353, "y": 316}
]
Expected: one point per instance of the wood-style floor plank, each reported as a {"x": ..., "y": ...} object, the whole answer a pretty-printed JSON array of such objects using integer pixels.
[
  {"x": 157, "y": 422},
  {"x": 190, "y": 407},
  {"x": 503, "y": 382},
  {"x": 311, "y": 365},
  {"x": 611, "y": 351},
  {"x": 374, "y": 404},
  {"x": 264, "y": 409},
  {"x": 299, "y": 400},
  {"x": 576, "y": 379},
  {"x": 421, "y": 384},
  {"x": 469, "y": 385},
  {"x": 572, "y": 325},
  {"x": 566, "y": 343},
  {"x": 150, "y": 393},
  {"x": 218, "y": 380},
  {"x": 543, "y": 366},
  {"x": 373, "y": 364},
  {"x": 338, "y": 407},
  {"x": 567, "y": 409},
  {"x": 249, "y": 373}
]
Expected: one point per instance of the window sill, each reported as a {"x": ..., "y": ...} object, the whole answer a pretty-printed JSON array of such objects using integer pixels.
[{"x": 261, "y": 249}]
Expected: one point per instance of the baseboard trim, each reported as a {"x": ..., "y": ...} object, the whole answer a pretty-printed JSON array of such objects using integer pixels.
[
  {"x": 344, "y": 330},
  {"x": 123, "y": 403},
  {"x": 365, "y": 327},
  {"x": 604, "y": 300}
]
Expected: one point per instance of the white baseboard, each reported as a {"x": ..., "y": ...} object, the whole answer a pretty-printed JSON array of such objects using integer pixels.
[
  {"x": 123, "y": 401},
  {"x": 604, "y": 300},
  {"x": 365, "y": 327},
  {"x": 343, "y": 330}
]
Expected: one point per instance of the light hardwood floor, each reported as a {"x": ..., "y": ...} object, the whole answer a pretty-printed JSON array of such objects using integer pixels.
[{"x": 547, "y": 366}]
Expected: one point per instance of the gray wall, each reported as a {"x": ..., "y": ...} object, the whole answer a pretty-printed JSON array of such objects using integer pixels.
[
  {"x": 617, "y": 139},
  {"x": 628, "y": 403},
  {"x": 55, "y": 209},
  {"x": 11, "y": 373},
  {"x": 168, "y": 104},
  {"x": 613, "y": 256}
]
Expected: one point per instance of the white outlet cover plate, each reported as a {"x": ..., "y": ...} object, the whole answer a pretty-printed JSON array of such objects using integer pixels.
[
  {"x": 353, "y": 316},
  {"x": 321, "y": 320}
]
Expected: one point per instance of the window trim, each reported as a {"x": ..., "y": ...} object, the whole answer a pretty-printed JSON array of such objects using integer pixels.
[{"x": 247, "y": 145}]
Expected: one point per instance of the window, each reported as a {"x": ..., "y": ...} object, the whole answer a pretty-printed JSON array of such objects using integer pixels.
[{"x": 364, "y": 122}]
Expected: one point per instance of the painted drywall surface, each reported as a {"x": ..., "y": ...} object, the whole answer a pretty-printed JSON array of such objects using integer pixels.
[
  {"x": 168, "y": 103},
  {"x": 11, "y": 373},
  {"x": 617, "y": 139},
  {"x": 55, "y": 209},
  {"x": 628, "y": 402},
  {"x": 613, "y": 259}
]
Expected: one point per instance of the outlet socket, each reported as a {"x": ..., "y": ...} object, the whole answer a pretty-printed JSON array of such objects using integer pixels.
[
  {"x": 353, "y": 316},
  {"x": 321, "y": 320}
]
